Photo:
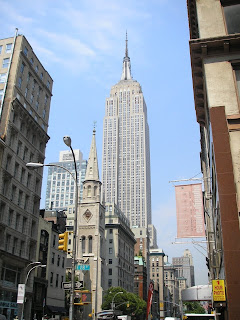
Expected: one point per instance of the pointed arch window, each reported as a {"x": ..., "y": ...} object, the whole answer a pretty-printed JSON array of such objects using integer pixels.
[
  {"x": 83, "y": 244},
  {"x": 90, "y": 244},
  {"x": 95, "y": 191},
  {"x": 89, "y": 191}
]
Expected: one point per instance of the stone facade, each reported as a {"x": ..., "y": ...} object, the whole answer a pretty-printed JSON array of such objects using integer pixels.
[
  {"x": 25, "y": 95},
  {"x": 214, "y": 48}
]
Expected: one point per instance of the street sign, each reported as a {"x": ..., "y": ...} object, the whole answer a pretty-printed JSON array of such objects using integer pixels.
[
  {"x": 66, "y": 285},
  {"x": 79, "y": 285},
  {"x": 83, "y": 267},
  {"x": 218, "y": 288},
  {"x": 21, "y": 293}
]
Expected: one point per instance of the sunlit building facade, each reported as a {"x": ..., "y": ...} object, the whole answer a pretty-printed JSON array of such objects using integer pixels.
[{"x": 126, "y": 154}]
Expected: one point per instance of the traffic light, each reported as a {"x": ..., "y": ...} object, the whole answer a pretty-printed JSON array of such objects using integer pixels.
[{"x": 63, "y": 241}]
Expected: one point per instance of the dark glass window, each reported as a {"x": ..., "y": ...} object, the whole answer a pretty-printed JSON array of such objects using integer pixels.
[{"x": 232, "y": 16}]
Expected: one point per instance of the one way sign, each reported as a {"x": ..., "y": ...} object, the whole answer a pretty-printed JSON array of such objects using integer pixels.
[
  {"x": 68, "y": 285},
  {"x": 79, "y": 285}
]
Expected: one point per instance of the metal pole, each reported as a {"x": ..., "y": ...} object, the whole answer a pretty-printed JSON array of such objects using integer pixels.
[
  {"x": 114, "y": 298},
  {"x": 42, "y": 266},
  {"x": 71, "y": 309}
]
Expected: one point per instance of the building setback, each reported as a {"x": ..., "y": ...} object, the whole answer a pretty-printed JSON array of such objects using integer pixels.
[
  {"x": 25, "y": 95},
  {"x": 126, "y": 154},
  {"x": 215, "y": 55}
]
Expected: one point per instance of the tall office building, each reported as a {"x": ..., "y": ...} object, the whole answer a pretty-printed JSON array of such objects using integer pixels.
[
  {"x": 25, "y": 94},
  {"x": 60, "y": 185},
  {"x": 126, "y": 154}
]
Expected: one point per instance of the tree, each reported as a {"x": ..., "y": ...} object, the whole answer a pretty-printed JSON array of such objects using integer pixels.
[
  {"x": 129, "y": 303},
  {"x": 193, "y": 307}
]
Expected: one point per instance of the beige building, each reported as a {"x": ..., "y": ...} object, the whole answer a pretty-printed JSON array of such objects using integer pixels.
[
  {"x": 215, "y": 55},
  {"x": 156, "y": 266},
  {"x": 119, "y": 249},
  {"x": 126, "y": 152},
  {"x": 171, "y": 291},
  {"x": 25, "y": 95}
]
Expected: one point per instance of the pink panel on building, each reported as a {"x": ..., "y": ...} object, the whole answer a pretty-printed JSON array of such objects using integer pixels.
[{"x": 189, "y": 207}]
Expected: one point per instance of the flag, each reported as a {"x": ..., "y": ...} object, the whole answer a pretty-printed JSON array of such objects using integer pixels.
[{"x": 149, "y": 301}]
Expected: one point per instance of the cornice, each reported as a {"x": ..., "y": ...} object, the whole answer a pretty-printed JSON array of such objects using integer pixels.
[{"x": 208, "y": 48}]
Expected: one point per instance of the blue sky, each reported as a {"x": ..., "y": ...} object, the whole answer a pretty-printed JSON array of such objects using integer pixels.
[{"x": 82, "y": 44}]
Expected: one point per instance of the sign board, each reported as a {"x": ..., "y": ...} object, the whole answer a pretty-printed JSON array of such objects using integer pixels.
[
  {"x": 21, "y": 293},
  {"x": 78, "y": 284},
  {"x": 68, "y": 285},
  {"x": 189, "y": 207},
  {"x": 83, "y": 267},
  {"x": 218, "y": 288}
]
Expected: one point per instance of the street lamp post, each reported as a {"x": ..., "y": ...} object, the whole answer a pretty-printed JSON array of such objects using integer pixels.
[
  {"x": 114, "y": 298},
  {"x": 26, "y": 280},
  {"x": 67, "y": 141},
  {"x": 31, "y": 165}
]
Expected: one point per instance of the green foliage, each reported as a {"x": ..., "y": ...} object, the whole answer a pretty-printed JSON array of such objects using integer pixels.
[
  {"x": 193, "y": 307},
  {"x": 137, "y": 306}
]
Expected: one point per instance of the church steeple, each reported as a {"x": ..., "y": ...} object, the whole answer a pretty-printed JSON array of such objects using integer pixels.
[
  {"x": 92, "y": 172},
  {"x": 126, "y": 73}
]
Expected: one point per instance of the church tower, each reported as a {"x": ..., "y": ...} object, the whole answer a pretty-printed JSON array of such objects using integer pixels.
[{"x": 90, "y": 230}]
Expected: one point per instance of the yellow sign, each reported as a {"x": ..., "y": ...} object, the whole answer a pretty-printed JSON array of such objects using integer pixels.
[
  {"x": 218, "y": 288},
  {"x": 161, "y": 305}
]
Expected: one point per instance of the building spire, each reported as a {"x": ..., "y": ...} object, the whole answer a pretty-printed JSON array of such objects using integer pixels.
[
  {"x": 126, "y": 72},
  {"x": 92, "y": 166},
  {"x": 126, "y": 51}
]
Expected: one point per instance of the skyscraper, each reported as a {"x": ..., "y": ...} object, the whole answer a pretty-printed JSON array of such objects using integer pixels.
[
  {"x": 60, "y": 185},
  {"x": 126, "y": 154}
]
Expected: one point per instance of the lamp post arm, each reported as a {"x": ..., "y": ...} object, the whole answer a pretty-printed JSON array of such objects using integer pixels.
[{"x": 26, "y": 280}]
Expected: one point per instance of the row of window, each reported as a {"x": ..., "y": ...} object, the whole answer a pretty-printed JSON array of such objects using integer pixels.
[{"x": 8, "y": 48}]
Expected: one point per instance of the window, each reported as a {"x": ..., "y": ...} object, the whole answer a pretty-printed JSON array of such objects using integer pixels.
[
  {"x": 48, "y": 84},
  {"x": 58, "y": 260},
  {"x": 25, "y": 51},
  {"x": 53, "y": 257},
  {"x": 1, "y": 49},
  {"x": 19, "y": 82},
  {"x": 63, "y": 262},
  {"x": 8, "y": 47},
  {"x": 83, "y": 244},
  {"x": 90, "y": 244},
  {"x": 5, "y": 63},
  {"x": 110, "y": 231},
  {"x": 110, "y": 250},
  {"x": 36, "y": 69},
  {"x": 232, "y": 14},
  {"x": 110, "y": 261},
  {"x": 110, "y": 271},
  {"x": 3, "y": 77},
  {"x": 22, "y": 67},
  {"x": 31, "y": 61},
  {"x": 1, "y": 94},
  {"x": 51, "y": 279}
]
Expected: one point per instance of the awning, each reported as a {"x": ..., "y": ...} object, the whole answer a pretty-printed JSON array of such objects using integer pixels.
[{"x": 56, "y": 309}]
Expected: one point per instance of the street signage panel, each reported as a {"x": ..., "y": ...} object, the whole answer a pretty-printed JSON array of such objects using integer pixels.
[
  {"x": 21, "y": 293},
  {"x": 218, "y": 288},
  {"x": 79, "y": 285},
  {"x": 83, "y": 267},
  {"x": 66, "y": 285}
]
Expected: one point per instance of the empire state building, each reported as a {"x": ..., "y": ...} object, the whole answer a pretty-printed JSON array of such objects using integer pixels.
[{"x": 126, "y": 155}]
